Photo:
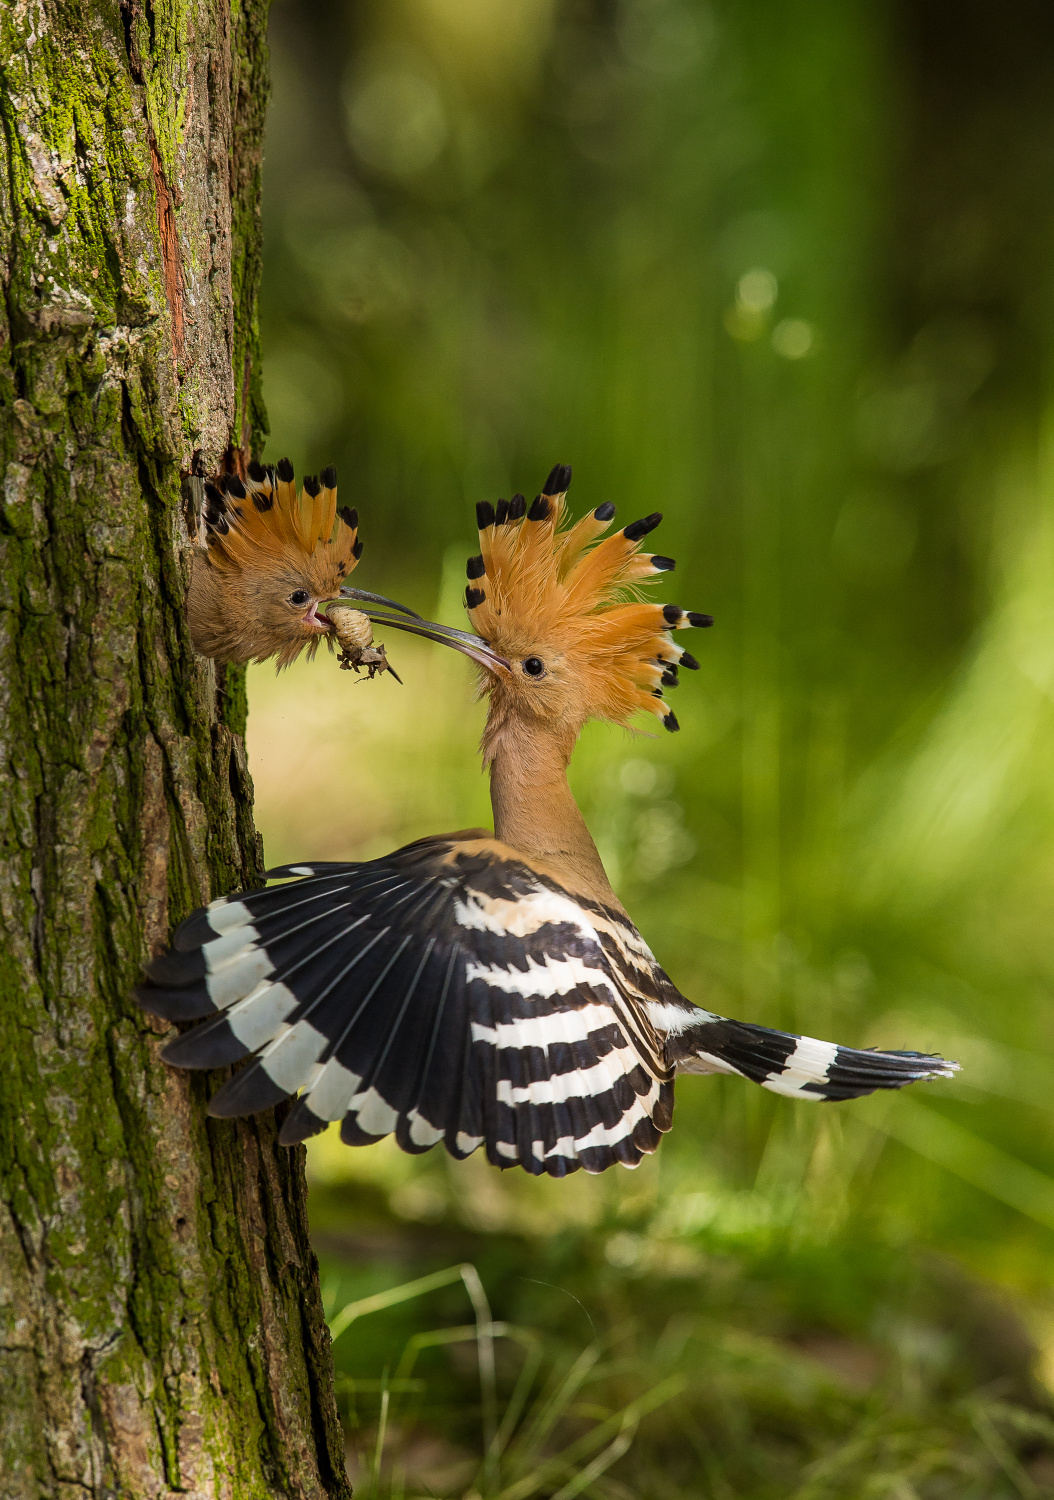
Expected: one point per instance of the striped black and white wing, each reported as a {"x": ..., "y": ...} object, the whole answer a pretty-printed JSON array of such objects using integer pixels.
[{"x": 446, "y": 993}]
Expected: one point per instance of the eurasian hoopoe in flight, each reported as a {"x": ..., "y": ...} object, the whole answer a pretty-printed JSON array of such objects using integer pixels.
[
  {"x": 490, "y": 990},
  {"x": 271, "y": 558}
]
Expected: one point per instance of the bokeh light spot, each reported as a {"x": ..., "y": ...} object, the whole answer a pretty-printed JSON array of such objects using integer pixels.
[
  {"x": 757, "y": 290},
  {"x": 396, "y": 120},
  {"x": 793, "y": 338}
]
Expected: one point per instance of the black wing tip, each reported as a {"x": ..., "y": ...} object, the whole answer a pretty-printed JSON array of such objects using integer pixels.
[
  {"x": 349, "y": 515},
  {"x": 605, "y": 512},
  {"x": 475, "y": 568},
  {"x": 474, "y": 597},
  {"x": 257, "y": 472},
  {"x": 329, "y": 477},
  {"x": 193, "y": 932},
  {"x": 558, "y": 481},
  {"x": 285, "y": 470},
  {"x": 484, "y": 515},
  {"x": 663, "y": 564},
  {"x": 176, "y": 968},
  {"x": 247, "y": 1093},
  {"x": 154, "y": 1001},
  {"x": 211, "y": 1046},
  {"x": 299, "y": 1125},
  {"x": 701, "y": 622},
  {"x": 174, "y": 1005},
  {"x": 169, "y": 1054},
  {"x": 517, "y": 508},
  {"x": 312, "y": 486},
  {"x": 539, "y": 508}
]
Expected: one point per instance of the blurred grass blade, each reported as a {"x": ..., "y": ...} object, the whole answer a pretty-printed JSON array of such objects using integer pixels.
[
  {"x": 391, "y": 1298},
  {"x": 603, "y": 1461},
  {"x": 488, "y": 1383},
  {"x": 518, "y": 1400},
  {"x": 986, "y": 1430},
  {"x": 356, "y": 1383},
  {"x": 551, "y": 1410},
  {"x": 382, "y": 1433},
  {"x": 975, "y": 1160},
  {"x": 554, "y": 1467},
  {"x": 435, "y": 1338}
]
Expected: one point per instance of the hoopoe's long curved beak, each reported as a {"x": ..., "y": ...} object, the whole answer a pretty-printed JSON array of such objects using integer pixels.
[
  {"x": 376, "y": 599},
  {"x": 379, "y": 610}
]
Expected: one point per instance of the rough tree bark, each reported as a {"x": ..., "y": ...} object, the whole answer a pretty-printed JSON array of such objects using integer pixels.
[{"x": 160, "y": 1323}]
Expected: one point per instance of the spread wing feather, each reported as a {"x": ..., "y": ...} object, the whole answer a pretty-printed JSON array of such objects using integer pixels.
[{"x": 446, "y": 993}]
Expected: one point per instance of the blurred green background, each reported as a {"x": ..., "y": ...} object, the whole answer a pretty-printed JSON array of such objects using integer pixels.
[{"x": 783, "y": 271}]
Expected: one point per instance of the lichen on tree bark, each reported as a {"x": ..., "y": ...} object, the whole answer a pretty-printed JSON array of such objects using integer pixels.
[{"x": 160, "y": 1324}]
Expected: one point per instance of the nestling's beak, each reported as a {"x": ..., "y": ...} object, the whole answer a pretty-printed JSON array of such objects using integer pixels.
[
  {"x": 378, "y": 609},
  {"x": 313, "y": 620}
]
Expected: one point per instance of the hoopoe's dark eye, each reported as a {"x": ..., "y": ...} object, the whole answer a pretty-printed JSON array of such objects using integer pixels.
[
  {"x": 300, "y": 597},
  {"x": 534, "y": 666}
]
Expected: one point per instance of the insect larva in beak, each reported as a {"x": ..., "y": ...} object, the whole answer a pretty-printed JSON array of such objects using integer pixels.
[{"x": 354, "y": 632}]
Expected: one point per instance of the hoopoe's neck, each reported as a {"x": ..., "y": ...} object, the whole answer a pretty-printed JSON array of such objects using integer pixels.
[{"x": 534, "y": 811}]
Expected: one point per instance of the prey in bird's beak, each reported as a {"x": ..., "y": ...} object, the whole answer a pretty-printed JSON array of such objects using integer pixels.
[
  {"x": 358, "y": 649},
  {"x": 382, "y": 612}
]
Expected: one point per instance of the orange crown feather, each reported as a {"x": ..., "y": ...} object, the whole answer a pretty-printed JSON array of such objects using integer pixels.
[
  {"x": 267, "y": 521},
  {"x": 539, "y": 584},
  {"x": 266, "y": 543}
]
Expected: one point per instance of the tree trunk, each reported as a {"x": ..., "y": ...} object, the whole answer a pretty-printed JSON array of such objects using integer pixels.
[{"x": 160, "y": 1322}]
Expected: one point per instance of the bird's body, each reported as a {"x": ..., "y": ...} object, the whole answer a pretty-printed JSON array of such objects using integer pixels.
[{"x": 490, "y": 990}]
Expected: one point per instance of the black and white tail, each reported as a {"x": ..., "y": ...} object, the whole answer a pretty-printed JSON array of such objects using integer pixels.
[
  {"x": 449, "y": 992},
  {"x": 800, "y": 1067}
]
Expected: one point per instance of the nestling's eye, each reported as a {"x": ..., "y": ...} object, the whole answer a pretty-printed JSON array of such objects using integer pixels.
[
  {"x": 300, "y": 597},
  {"x": 534, "y": 666}
]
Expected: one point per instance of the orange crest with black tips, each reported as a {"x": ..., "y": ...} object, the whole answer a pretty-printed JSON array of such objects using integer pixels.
[
  {"x": 554, "y": 600},
  {"x": 272, "y": 556}
]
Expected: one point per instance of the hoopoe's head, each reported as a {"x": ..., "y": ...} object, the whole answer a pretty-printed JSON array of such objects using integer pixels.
[
  {"x": 560, "y": 613},
  {"x": 273, "y": 556}
]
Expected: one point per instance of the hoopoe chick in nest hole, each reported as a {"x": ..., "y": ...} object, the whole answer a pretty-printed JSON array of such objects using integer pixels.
[
  {"x": 489, "y": 989},
  {"x": 273, "y": 558}
]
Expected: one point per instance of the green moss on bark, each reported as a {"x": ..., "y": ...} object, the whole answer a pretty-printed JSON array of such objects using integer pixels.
[{"x": 160, "y": 1324}]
